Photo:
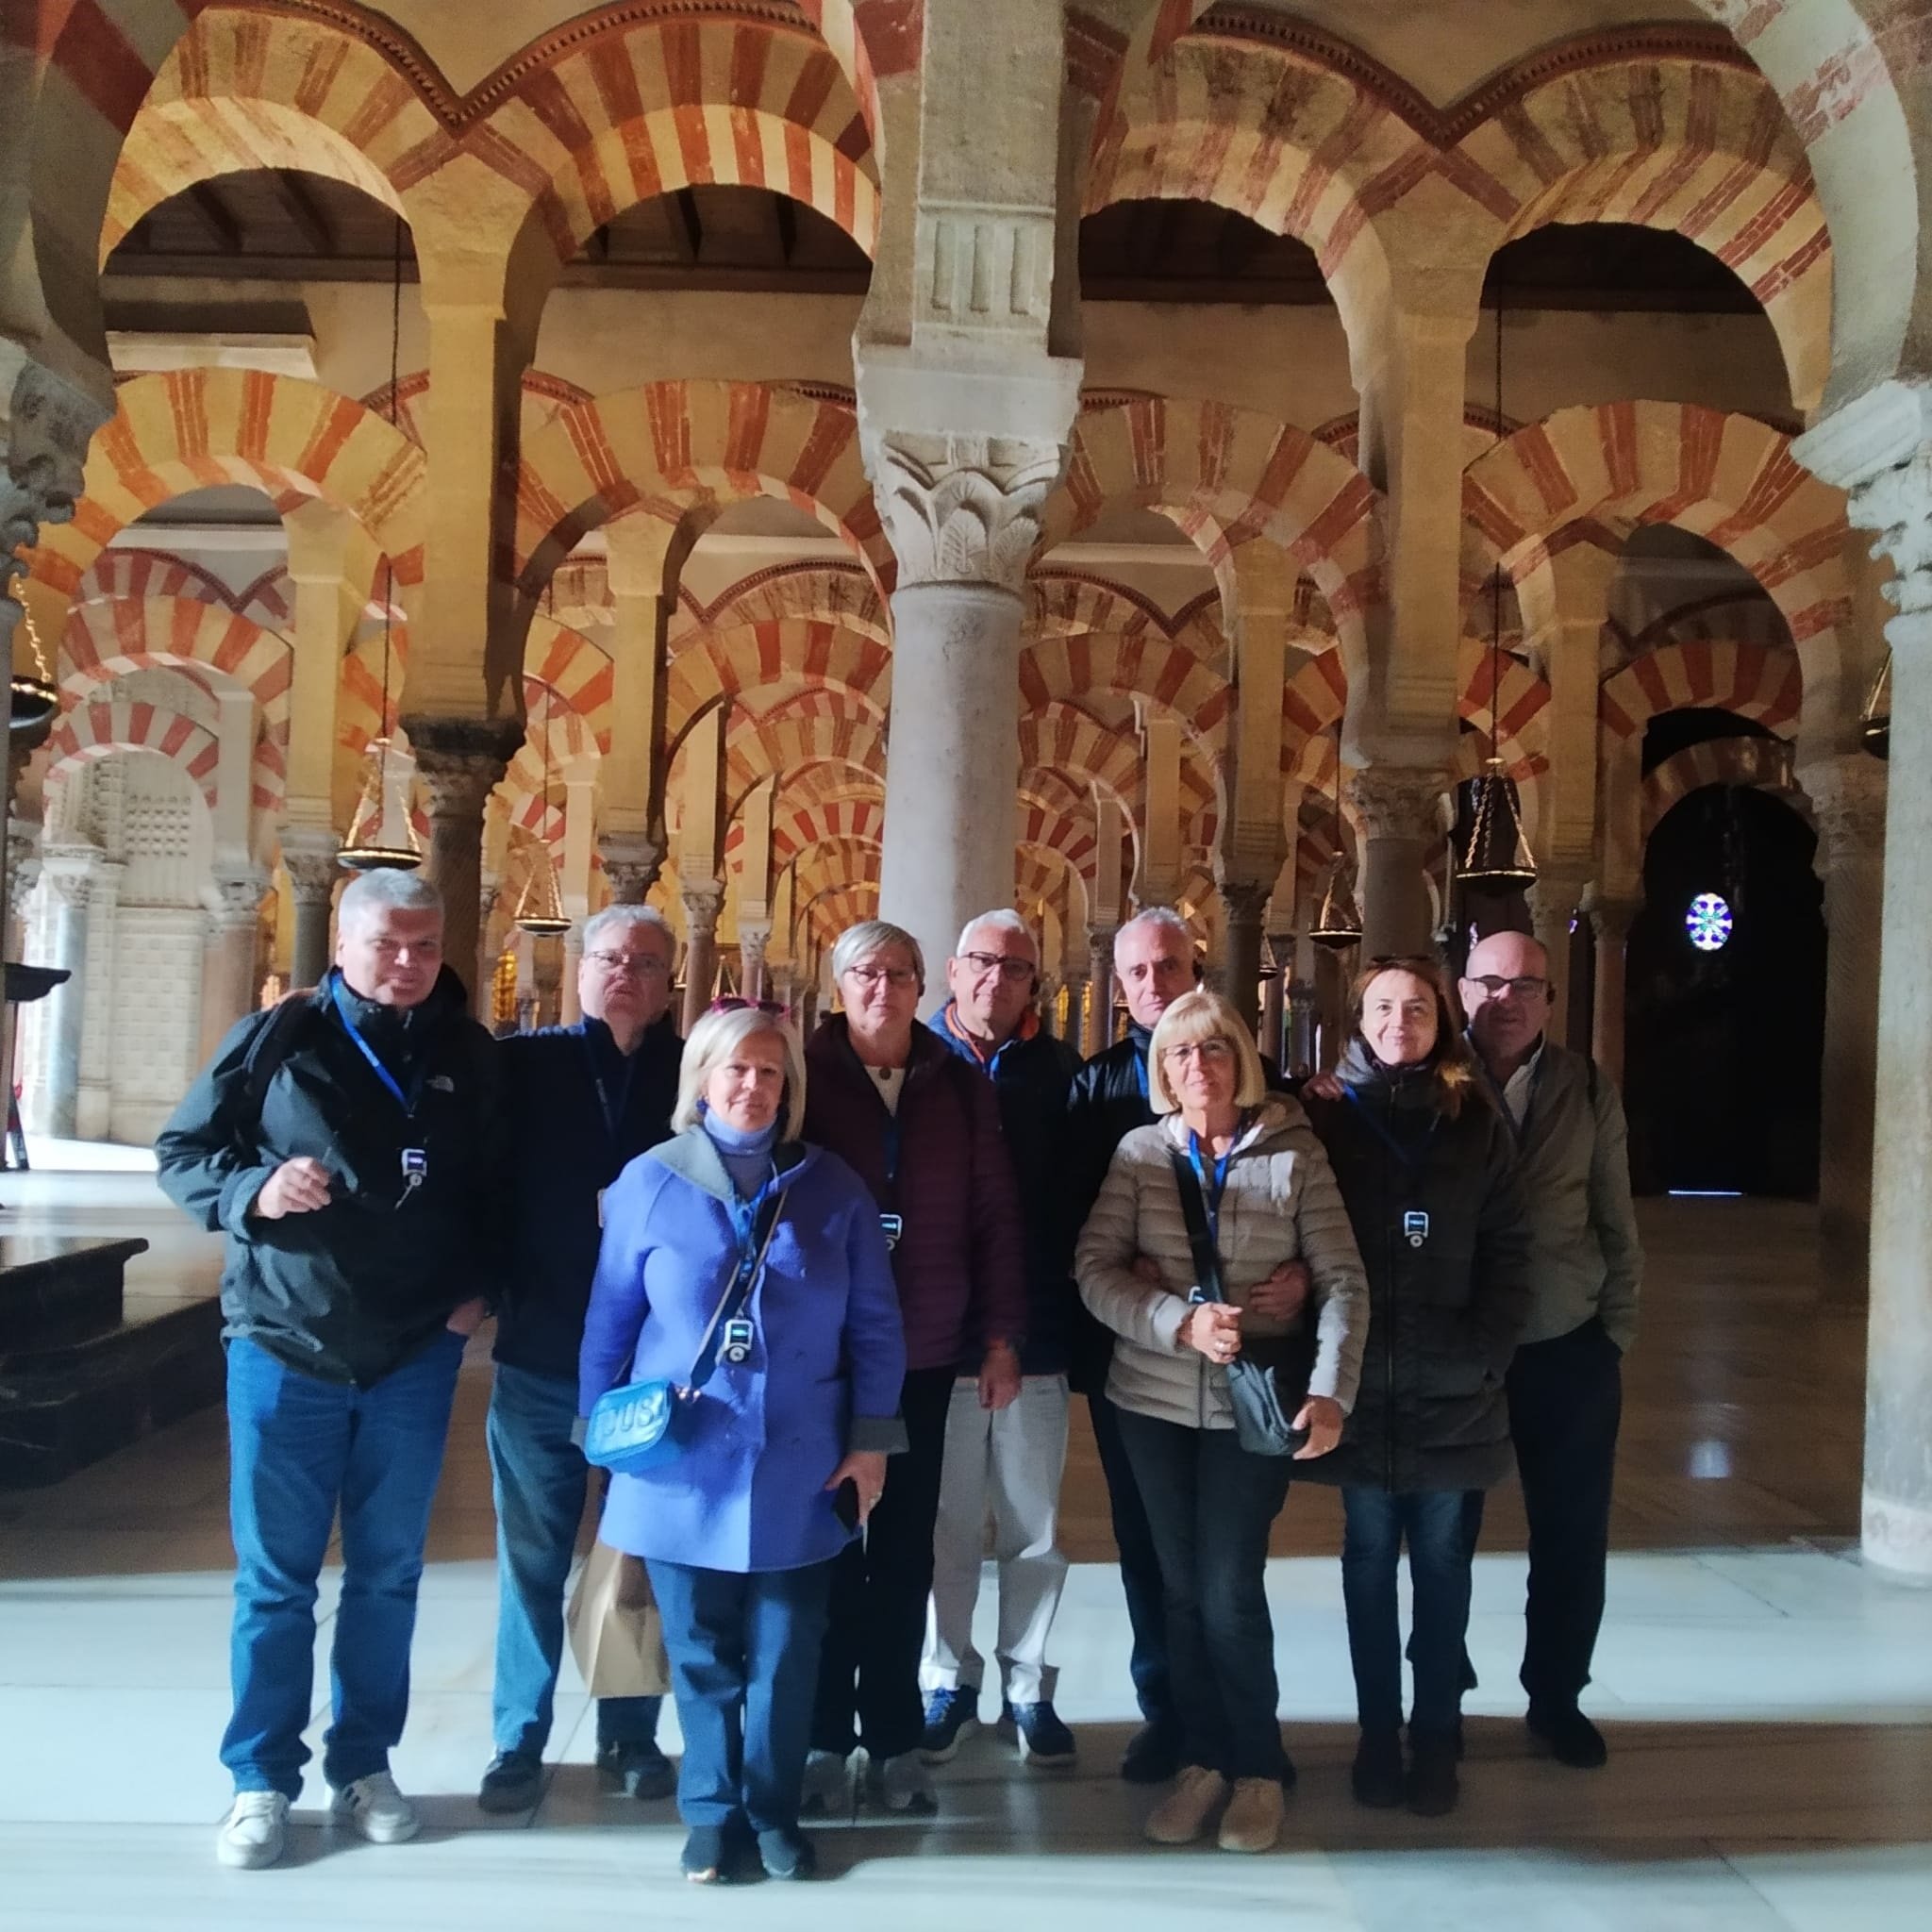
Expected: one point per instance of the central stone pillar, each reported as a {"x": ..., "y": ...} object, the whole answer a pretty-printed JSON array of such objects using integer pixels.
[
  {"x": 1552, "y": 901},
  {"x": 1100, "y": 972},
  {"x": 1609, "y": 920},
  {"x": 703, "y": 901},
  {"x": 754, "y": 938},
  {"x": 1400, "y": 807},
  {"x": 1245, "y": 903},
  {"x": 631, "y": 863},
  {"x": 66, "y": 871},
  {"x": 309, "y": 857},
  {"x": 460, "y": 760},
  {"x": 228, "y": 984}
]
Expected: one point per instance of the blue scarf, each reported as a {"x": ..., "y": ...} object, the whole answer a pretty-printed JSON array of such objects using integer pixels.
[{"x": 747, "y": 1158}]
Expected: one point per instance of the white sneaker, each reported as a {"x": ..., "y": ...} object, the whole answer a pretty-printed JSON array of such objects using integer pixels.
[
  {"x": 902, "y": 1783},
  {"x": 827, "y": 1791},
  {"x": 376, "y": 1809},
  {"x": 255, "y": 1832}
]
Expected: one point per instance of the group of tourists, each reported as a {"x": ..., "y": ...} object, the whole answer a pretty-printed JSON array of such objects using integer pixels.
[{"x": 875, "y": 1268}]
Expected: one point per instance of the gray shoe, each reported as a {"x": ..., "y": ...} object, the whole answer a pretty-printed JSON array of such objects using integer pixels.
[
  {"x": 827, "y": 1789},
  {"x": 902, "y": 1783},
  {"x": 255, "y": 1832}
]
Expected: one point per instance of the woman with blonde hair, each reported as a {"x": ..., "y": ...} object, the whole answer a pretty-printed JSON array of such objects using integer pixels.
[
  {"x": 1429, "y": 1172},
  {"x": 1246, "y": 1169},
  {"x": 748, "y": 1267}
]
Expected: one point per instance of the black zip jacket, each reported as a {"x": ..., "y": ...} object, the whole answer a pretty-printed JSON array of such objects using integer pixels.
[
  {"x": 346, "y": 1293},
  {"x": 566, "y": 1153},
  {"x": 1447, "y": 1298}
]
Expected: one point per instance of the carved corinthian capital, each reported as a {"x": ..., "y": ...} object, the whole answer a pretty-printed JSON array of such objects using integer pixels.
[
  {"x": 964, "y": 509},
  {"x": 48, "y": 424},
  {"x": 1398, "y": 801},
  {"x": 1847, "y": 796}
]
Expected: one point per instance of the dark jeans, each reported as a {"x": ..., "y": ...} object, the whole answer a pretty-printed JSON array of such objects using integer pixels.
[
  {"x": 1209, "y": 1504},
  {"x": 539, "y": 1476},
  {"x": 1375, "y": 1526},
  {"x": 299, "y": 1448},
  {"x": 1566, "y": 1400},
  {"x": 1139, "y": 1567},
  {"x": 868, "y": 1688},
  {"x": 744, "y": 1657}
]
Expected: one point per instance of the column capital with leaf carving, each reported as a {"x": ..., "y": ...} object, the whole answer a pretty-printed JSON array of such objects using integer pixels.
[
  {"x": 1398, "y": 801},
  {"x": 1847, "y": 795}
]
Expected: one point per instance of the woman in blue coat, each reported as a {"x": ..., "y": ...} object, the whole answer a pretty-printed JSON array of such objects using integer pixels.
[{"x": 782, "y": 1451}]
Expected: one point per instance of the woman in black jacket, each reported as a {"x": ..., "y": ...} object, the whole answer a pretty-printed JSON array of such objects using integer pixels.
[{"x": 1427, "y": 1172}]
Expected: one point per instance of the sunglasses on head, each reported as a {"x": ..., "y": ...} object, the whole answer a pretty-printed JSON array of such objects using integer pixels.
[{"x": 735, "y": 1003}]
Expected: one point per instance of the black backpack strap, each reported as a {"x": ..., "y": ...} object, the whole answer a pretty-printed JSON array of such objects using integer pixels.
[
  {"x": 271, "y": 1046},
  {"x": 1194, "y": 1212},
  {"x": 743, "y": 1278}
]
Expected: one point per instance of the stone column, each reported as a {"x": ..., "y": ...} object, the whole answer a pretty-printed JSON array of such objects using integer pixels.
[
  {"x": 1244, "y": 902},
  {"x": 309, "y": 857},
  {"x": 631, "y": 864},
  {"x": 460, "y": 760},
  {"x": 570, "y": 1002},
  {"x": 1847, "y": 796},
  {"x": 1609, "y": 922},
  {"x": 1400, "y": 809},
  {"x": 963, "y": 513},
  {"x": 488, "y": 948},
  {"x": 229, "y": 986},
  {"x": 1553, "y": 903},
  {"x": 703, "y": 901},
  {"x": 1274, "y": 1002},
  {"x": 1100, "y": 975},
  {"x": 66, "y": 871},
  {"x": 546, "y": 971},
  {"x": 754, "y": 938}
]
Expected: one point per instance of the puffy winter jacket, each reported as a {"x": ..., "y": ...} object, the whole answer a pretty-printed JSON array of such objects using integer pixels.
[
  {"x": 1280, "y": 1203},
  {"x": 1448, "y": 1294}
]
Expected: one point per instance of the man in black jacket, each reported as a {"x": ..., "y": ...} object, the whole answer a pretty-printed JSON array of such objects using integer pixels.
[
  {"x": 349, "y": 1143},
  {"x": 584, "y": 1101}
]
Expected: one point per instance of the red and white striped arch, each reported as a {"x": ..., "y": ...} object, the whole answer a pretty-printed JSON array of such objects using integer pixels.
[
  {"x": 1136, "y": 665},
  {"x": 1764, "y": 764},
  {"x": 812, "y": 592},
  {"x": 1764, "y": 685},
  {"x": 97, "y": 730},
  {"x": 780, "y": 658}
]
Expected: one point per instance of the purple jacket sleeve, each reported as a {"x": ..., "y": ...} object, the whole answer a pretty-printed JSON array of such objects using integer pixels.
[
  {"x": 615, "y": 1318},
  {"x": 998, "y": 1307},
  {"x": 875, "y": 1335}
]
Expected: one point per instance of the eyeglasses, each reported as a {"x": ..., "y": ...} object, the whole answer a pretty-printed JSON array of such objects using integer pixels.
[
  {"x": 734, "y": 1003},
  {"x": 632, "y": 965},
  {"x": 1208, "y": 1052},
  {"x": 899, "y": 977},
  {"x": 1526, "y": 986},
  {"x": 1004, "y": 964}
]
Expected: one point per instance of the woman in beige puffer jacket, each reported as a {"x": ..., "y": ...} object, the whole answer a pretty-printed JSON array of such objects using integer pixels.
[{"x": 1210, "y": 1500}]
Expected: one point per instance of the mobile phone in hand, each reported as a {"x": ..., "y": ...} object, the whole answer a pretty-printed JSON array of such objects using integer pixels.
[{"x": 845, "y": 1503}]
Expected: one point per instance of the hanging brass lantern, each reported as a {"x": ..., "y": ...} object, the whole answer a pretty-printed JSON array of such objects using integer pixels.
[
  {"x": 1497, "y": 854},
  {"x": 1874, "y": 721},
  {"x": 382, "y": 834},
  {"x": 1338, "y": 919},
  {"x": 35, "y": 697},
  {"x": 539, "y": 910}
]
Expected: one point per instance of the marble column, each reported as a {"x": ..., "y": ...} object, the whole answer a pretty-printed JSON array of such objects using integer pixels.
[
  {"x": 1847, "y": 796},
  {"x": 546, "y": 972},
  {"x": 1401, "y": 812},
  {"x": 309, "y": 857},
  {"x": 1245, "y": 903},
  {"x": 1609, "y": 920},
  {"x": 1275, "y": 1003},
  {"x": 229, "y": 986},
  {"x": 570, "y": 1003},
  {"x": 703, "y": 900},
  {"x": 94, "y": 1097},
  {"x": 1099, "y": 976},
  {"x": 66, "y": 870},
  {"x": 753, "y": 939},
  {"x": 1553, "y": 903},
  {"x": 489, "y": 948},
  {"x": 460, "y": 760}
]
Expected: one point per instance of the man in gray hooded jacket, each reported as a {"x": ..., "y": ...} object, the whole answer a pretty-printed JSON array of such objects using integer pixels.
[{"x": 1565, "y": 1385}]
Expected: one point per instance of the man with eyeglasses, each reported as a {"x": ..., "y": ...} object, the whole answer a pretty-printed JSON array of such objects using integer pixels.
[
  {"x": 1007, "y": 1462},
  {"x": 584, "y": 1101},
  {"x": 349, "y": 1143},
  {"x": 1565, "y": 1385}
]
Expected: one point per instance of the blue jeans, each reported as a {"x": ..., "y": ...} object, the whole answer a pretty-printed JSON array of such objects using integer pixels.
[
  {"x": 1140, "y": 1563},
  {"x": 539, "y": 1476},
  {"x": 745, "y": 1664},
  {"x": 298, "y": 1449},
  {"x": 1376, "y": 1524}
]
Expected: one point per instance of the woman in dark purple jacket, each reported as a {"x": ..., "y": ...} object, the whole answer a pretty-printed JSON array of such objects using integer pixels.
[{"x": 922, "y": 1128}]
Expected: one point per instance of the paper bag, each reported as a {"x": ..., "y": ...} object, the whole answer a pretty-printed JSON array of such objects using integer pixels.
[{"x": 615, "y": 1633}]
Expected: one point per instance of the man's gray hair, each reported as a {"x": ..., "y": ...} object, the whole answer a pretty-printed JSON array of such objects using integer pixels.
[
  {"x": 370, "y": 892},
  {"x": 872, "y": 936},
  {"x": 1005, "y": 920},
  {"x": 1159, "y": 918},
  {"x": 626, "y": 920}
]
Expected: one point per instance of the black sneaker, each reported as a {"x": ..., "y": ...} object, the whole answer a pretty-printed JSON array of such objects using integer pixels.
[
  {"x": 1571, "y": 1736},
  {"x": 951, "y": 1717},
  {"x": 1376, "y": 1777},
  {"x": 639, "y": 1771},
  {"x": 1153, "y": 1755},
  {"x": 1433, "y": 1786},
  {"x": 787, "y": 1853},
  {"x": 514, "y": 1782},
  {"x": 1044, "y": 1738}
]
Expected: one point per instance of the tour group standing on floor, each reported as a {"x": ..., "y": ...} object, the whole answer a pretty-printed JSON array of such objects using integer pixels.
[{"x": 873, "y": 1266}]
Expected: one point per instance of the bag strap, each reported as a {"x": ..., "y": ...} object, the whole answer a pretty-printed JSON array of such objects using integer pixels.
[
  {"x": 1194, "y": 1212},
  {"x": 743, "y": 1278},
  {"x": 272, "y": 1044}
]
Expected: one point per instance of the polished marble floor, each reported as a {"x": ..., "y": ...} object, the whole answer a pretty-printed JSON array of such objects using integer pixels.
[{"x": 1769, "y": 1703}]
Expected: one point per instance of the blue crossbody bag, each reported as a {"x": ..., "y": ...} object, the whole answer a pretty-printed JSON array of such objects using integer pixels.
[{"x": 634, "y": 1427}]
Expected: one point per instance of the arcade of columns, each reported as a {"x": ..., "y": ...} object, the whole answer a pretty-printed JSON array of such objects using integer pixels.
[{"x": 576, "y": 692}]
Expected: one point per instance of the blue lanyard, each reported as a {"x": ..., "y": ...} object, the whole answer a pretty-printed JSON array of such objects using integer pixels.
[
  {"x": 1210, "y": 1192},
  {"x": 410, "y": 1102},
  {"x": 1410, "y": 1157},
  {"x": 614, "y": 1117}
]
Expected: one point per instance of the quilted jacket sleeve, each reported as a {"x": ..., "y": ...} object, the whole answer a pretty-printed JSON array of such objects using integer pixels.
[{"x": 1102, "y": 1260}]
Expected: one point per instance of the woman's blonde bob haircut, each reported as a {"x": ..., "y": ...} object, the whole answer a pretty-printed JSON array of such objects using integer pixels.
[
  {"x": 712, "y": 1042},
  {"x": 1196, "y": 1016}
]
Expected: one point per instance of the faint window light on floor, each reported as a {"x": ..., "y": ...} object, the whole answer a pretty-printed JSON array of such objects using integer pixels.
[
  {"x": 1710, "y": 1461},
  {"x": 1707, "y": 1193}
]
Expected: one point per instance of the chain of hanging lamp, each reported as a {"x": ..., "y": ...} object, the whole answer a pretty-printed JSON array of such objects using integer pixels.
[
  {"x": 373, "y": 845},
  {"x": 1338, "y": 919},
  {"x": 1496, "y": 853},
  {"x": 36, "y": 696},
  {"x": 540, "y": 910}
]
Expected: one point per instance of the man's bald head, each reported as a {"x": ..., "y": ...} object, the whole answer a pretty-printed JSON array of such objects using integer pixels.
[
  {"x": 1506, "y": 994},
  {"x": 1509, "y": 956}
]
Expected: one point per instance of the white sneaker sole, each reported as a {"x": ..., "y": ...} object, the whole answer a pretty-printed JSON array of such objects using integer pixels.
[
  {"x": 377, "y": 1830},
  {"x": 240, "y": 1855},
  {"x": 970, "y": 1728}
]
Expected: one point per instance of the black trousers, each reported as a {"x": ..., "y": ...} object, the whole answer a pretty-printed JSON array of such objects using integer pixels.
[
  {"x": 1211, "y": 1504},
  {"x": 1566, "y": 1401},
  {"x": 868, "y": 1686},
  {"x": 1139, "y": 1566}
]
